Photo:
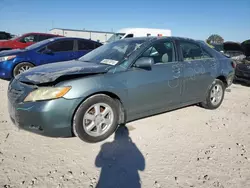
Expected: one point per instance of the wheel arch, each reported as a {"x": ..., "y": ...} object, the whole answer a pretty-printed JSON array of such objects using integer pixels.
[
  {"x": 223, "y": 79},
  {"x": 122, "y": 111}
]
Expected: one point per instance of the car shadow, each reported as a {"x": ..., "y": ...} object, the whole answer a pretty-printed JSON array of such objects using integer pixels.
[{"x": 120, "y": 162}]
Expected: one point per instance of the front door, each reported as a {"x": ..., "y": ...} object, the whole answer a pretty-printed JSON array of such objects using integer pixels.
[{"x": 159, "y": 88}]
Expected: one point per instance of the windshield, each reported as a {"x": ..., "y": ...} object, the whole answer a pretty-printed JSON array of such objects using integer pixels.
[
  {"x": 115, "y": 37},
  {"x": 38, "y": 44},
  {"x": 113, "y": 53}
]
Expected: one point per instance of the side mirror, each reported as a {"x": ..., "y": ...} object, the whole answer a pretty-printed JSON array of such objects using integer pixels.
[
  {"x": 47, "y": 51},
  {"x": 144, "y": 63}
]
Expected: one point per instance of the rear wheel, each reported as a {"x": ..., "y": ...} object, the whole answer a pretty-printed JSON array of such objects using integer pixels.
[
  {"x": 215, "y": 95},
  {"x": 21, "y": 67},
  {"x": 96, "y": 118}
]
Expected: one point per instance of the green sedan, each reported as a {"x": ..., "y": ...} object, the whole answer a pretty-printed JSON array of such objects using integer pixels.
[{"x": 117, "y": 83}]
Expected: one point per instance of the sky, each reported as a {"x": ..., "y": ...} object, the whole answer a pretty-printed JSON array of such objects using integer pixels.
[{"x": 186, "y": 18}]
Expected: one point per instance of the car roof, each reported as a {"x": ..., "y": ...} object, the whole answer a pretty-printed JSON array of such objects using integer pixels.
[
  {"x": 160, "y": 38},
  {"x": 39, "y": 33},
  {"x": 74, "y": 38}
]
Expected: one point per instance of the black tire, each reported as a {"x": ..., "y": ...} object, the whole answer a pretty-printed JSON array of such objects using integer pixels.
[
  {"x": 207, "y": 103},
  {"x": 18, "y": 67},
  {"x": 78, "y": 129}
]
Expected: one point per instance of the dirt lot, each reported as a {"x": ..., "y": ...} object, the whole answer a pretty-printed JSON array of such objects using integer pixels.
[{"x": 190, "y": 147}]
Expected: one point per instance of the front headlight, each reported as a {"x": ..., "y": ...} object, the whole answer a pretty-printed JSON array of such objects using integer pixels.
[
  {"x": 6, "y": 58},
  {"x": 46, "y": 93}
]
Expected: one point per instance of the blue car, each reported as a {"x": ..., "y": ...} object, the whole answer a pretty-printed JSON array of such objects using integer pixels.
[{"x": 14, "y": 62}]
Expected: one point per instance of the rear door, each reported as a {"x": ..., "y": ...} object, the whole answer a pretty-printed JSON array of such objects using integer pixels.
[
  {"x": 62, "y": 50},
  {"x": 198, "y": 71}
]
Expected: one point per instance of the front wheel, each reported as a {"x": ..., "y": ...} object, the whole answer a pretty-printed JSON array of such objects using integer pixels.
[
  {"x": 215, "y": 95},
  {"x": 96, "y": 118},
  {"x": 21, "y": 67}
]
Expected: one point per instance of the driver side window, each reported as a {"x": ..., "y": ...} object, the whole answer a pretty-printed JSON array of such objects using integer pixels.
[
  {"x": 29, "y": 38},
  {"x": 62, "y": 46},
  {"x": 161, "y": 52}
]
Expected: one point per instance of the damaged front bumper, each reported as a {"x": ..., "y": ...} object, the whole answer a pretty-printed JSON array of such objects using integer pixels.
[{"x": 51, "y": 118}]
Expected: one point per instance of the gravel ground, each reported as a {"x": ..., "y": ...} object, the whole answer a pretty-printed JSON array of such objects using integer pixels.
[{"x": 190, "y": 147}]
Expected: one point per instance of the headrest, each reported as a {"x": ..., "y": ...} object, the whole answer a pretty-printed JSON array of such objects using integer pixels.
[{"x": 165, "y": 58}]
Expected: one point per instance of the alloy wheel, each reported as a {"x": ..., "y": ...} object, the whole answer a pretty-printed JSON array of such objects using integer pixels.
[
  {"x": 98, "y": 119},
  {"x": 23, "y": 69},
  {"x": 216, "y": 94}
]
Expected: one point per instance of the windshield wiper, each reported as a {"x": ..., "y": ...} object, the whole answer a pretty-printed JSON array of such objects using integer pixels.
[{"x": 83, "y": 60}]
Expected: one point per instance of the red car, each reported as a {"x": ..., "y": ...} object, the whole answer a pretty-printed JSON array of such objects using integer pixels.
[{"x": 24, "y": 40}]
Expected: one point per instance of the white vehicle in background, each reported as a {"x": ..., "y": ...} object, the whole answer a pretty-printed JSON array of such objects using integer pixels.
[{"x": 138, "y": 32}]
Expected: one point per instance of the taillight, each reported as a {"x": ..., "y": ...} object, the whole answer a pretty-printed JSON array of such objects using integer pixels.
[{"x": 233, "y": 64}]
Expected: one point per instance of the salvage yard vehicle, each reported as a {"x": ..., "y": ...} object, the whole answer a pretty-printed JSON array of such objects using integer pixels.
[
  {"x": 23, "y": 41},
  {"x": 5, "y": 35},
  {"x": 242, "y": 71},
  {"x": 233, "y": 50},
  {"x": 240, "y": 54},
  {"x": 117, "y": 83},
  {"x": 14, "y": 62}
]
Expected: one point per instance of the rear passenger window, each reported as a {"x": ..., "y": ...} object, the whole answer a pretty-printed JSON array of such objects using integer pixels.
[
  {"x": 61, "y": 46},
  {"x": 86, "y": 45},
  {"x": 191, "y": 51},
  {"x": 44, "y": 37},
  {"x": 30, "y": 38}
]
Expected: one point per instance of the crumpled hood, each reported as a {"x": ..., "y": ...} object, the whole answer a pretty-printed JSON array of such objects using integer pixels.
[
  {"x": 11, "y": 52},
  {"x": 51, "y": 72}
]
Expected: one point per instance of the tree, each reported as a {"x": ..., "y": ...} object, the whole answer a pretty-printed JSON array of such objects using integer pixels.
[{"x": 215, "y": 39}]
